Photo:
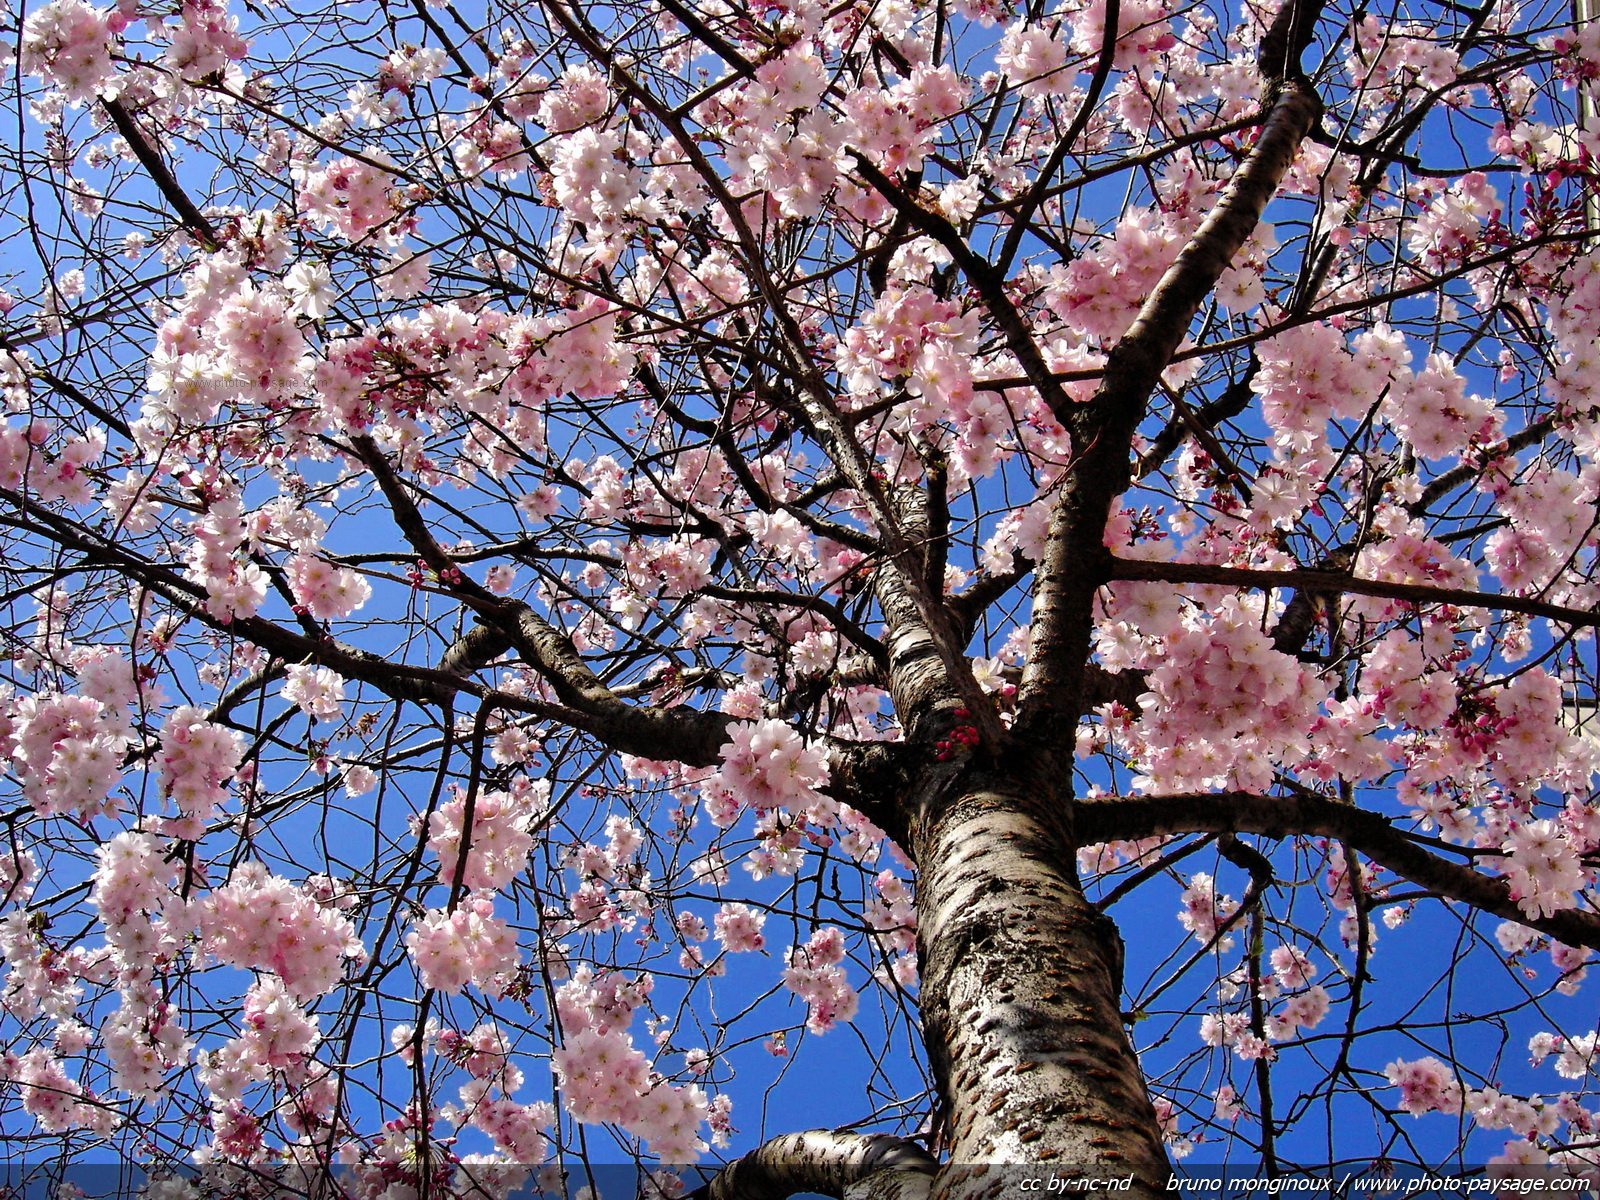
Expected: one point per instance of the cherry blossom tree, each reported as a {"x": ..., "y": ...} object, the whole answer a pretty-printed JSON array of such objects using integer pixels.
[{"x": 564, "y": 562}]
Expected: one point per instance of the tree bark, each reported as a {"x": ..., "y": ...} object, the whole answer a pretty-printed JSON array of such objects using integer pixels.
[
  {"x": 1021, "y": 989},
  {"x": 827, "y": 1162}
]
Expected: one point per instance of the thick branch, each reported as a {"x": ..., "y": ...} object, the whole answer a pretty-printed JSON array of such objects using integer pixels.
[
  {"x": 1306, "y": 814},
  {"x": 823, "y": 1161},
  {"x": 1235, "y": 398},
  {"x": 1441, "y": 485},
  {"x": 1287, "y": 39},
  {"x": 1114, "y": 687},
  {"x": 1306, "y": 606},
  {"x": 403, "y": 508},
  {"x": 873, "y": 777},
  {"x": 399, "y": 680},
  {"x": 680, "y": 733},
  {"x": 1136, "y": 362},
  {"x": 475, "y": 649},
  {"x": 1075, "y": 558},
  {"x": 165, "y": 181}
]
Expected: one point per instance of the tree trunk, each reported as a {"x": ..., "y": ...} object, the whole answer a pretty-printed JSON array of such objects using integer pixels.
[{"x": 1021, "y": 988}]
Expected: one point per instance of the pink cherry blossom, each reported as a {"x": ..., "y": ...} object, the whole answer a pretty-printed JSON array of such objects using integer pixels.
[{"x": 69, "y": 44}]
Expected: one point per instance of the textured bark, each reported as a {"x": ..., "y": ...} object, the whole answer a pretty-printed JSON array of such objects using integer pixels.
[
  {"x": 1021, "y": 993},
  {"x": 829, "y": 1163}
]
